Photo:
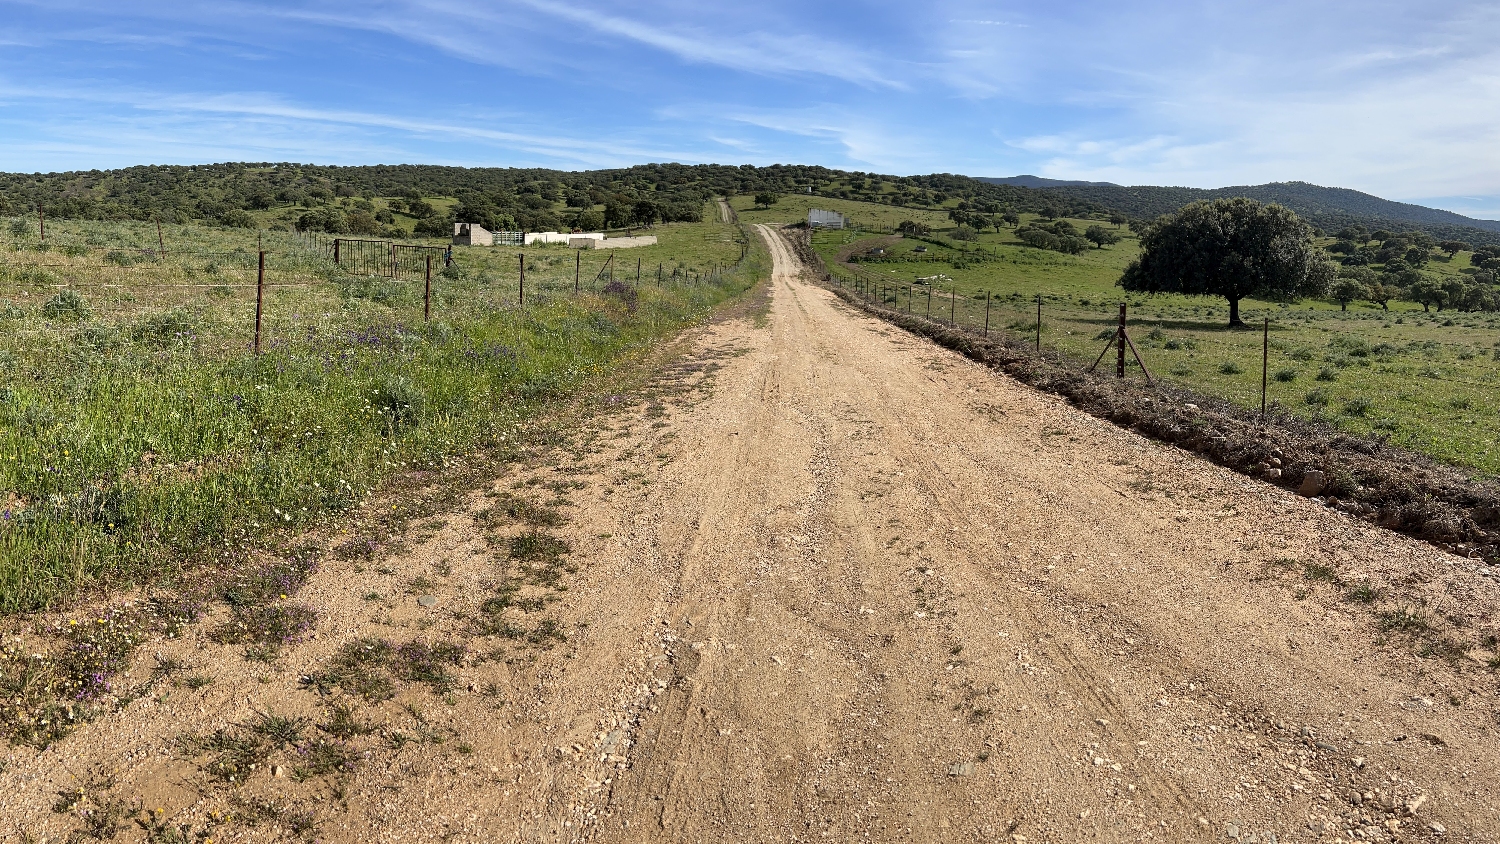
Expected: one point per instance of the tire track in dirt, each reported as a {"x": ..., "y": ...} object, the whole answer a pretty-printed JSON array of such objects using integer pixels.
[{"x": 991, "y": 629}]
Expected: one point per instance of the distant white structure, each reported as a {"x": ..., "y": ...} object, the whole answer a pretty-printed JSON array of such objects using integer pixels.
[
  {"x": 589, "y": 241},
  {"x": 472, "y": 234},
  {"x": 559, "y": 237},
  {"x": 826, "y": 219}
]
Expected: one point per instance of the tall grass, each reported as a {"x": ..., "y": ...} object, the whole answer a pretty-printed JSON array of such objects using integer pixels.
[{"x": 143, "y": 437}]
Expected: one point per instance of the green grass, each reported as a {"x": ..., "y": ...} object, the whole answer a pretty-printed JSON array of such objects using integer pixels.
[
  {"x": 146, "y": 437},
  {"x": 1425, "y": 381},
  {"x": 793, "y": 208}
]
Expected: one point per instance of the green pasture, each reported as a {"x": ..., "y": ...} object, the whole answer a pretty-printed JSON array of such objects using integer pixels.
[
  {"x": 138, "y": 433},
  {"x": 1426, "y": 381},
  {"x": 793, "y": 208}
]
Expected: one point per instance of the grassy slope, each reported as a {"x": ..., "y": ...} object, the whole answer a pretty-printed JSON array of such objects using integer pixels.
[
  {"x": 130, "y": 442},
  {"x": 1425, "y": 380}
]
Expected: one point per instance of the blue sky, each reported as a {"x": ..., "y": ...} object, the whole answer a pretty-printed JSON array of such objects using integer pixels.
[{"x": 1400, "y": 99}]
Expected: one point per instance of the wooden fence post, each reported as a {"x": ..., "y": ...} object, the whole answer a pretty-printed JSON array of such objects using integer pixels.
[{"x": 986, "y": 313}]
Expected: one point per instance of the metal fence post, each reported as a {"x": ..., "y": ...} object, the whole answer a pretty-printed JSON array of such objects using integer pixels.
[
  {"x": 1038, "y": 322},
  {"x": 577, "y": 268},
  {"x": 1265, "y": 362},
  {"x": 260, "y": 294},
  {"x": 986, "y": 313},
  {"x": 1120, "y": 361},
  {"x": 521, "y": 290},
  {"x": 953, "y": 306},
  {"x": 427, "y": 292}
]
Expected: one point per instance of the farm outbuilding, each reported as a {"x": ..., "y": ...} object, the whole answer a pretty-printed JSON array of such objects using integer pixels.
[
  {"x": 826, "y": 219},
  {"x": 472, "y": 234}
]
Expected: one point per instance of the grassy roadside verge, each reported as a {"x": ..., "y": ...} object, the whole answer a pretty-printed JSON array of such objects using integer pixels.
[
  {"x": 129, "y": 453},
  {"x": 59, "y": 670}
]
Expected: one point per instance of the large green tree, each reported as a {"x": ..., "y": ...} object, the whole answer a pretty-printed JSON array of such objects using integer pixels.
[{"x": 1233, "y": 248}]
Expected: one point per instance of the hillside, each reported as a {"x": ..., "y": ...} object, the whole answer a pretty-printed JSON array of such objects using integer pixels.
[
  {"x": 398, "y": 200},
  {"x": 1040, "y": 182},
  {"x": 271, "y": 194},
  {"x": 1330, "y": 208}
]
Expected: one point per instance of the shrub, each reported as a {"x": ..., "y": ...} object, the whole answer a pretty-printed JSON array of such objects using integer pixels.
[
  {"x": 1328, "y": 373},
  {"x": 1286, "y": 376},
  {"x": 1229, "y": 367},
  {"x": 1317, "y": 397},
  {"x": 964, "y": 233},
  {"x": 120, "y": 258},
  {"x": 237, "y": 219},
  {"x": 1358, "y": 406},
  {"x": 66, "y": 306}
]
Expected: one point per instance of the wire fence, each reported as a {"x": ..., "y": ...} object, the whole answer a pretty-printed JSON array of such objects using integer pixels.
[
  {"x": 983, "y": 314},
  {"x": 239, "y": 301}
]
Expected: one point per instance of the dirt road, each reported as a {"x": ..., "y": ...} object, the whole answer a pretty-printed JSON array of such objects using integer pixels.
[{"x": 847, "y": 586}]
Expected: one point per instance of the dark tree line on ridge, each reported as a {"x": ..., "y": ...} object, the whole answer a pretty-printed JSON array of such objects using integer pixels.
[{"x": 340, "y": 199}]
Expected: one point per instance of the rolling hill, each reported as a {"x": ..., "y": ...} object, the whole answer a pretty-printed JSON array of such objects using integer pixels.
[{"x": 1329, "y": 208}]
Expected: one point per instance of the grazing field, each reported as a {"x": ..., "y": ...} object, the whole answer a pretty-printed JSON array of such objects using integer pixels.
[
  {"x": 791, "y": 208},
  {"x": 1426, "y": 381},
  {"x": 136, "y": 427}
]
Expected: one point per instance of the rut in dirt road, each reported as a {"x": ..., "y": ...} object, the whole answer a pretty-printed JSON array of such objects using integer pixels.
[{"x": 918, "y": 601}]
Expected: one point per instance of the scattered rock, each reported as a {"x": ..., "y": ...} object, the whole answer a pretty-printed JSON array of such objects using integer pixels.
[
  {"x": 427, "y": 601},
  {"x": 278, "y": 771},
  {"x": 960, "y": 769},
  {"x": 1273, "y": 474},
  {"x": 1312, "y": 483},
  {"x": 1437, "y": 827},
  {"x": 1415, "y": 803}
]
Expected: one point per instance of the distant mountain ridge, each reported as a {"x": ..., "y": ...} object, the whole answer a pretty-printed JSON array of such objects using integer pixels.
[
  {"x": 1328, "y": 208},
  {"x": 1041, "y": 182}
]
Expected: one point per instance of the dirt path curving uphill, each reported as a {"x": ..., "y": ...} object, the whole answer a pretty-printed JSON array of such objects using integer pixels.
[{"x": 857, "y": 588}]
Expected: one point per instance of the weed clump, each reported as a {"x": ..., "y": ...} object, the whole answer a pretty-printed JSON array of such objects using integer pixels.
[
  {"x": 66, "y": 306},
  {"x": 399, "y": 403},
  {"x": 176, "y": 327},
  {"x": 266, "y": 628}
]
